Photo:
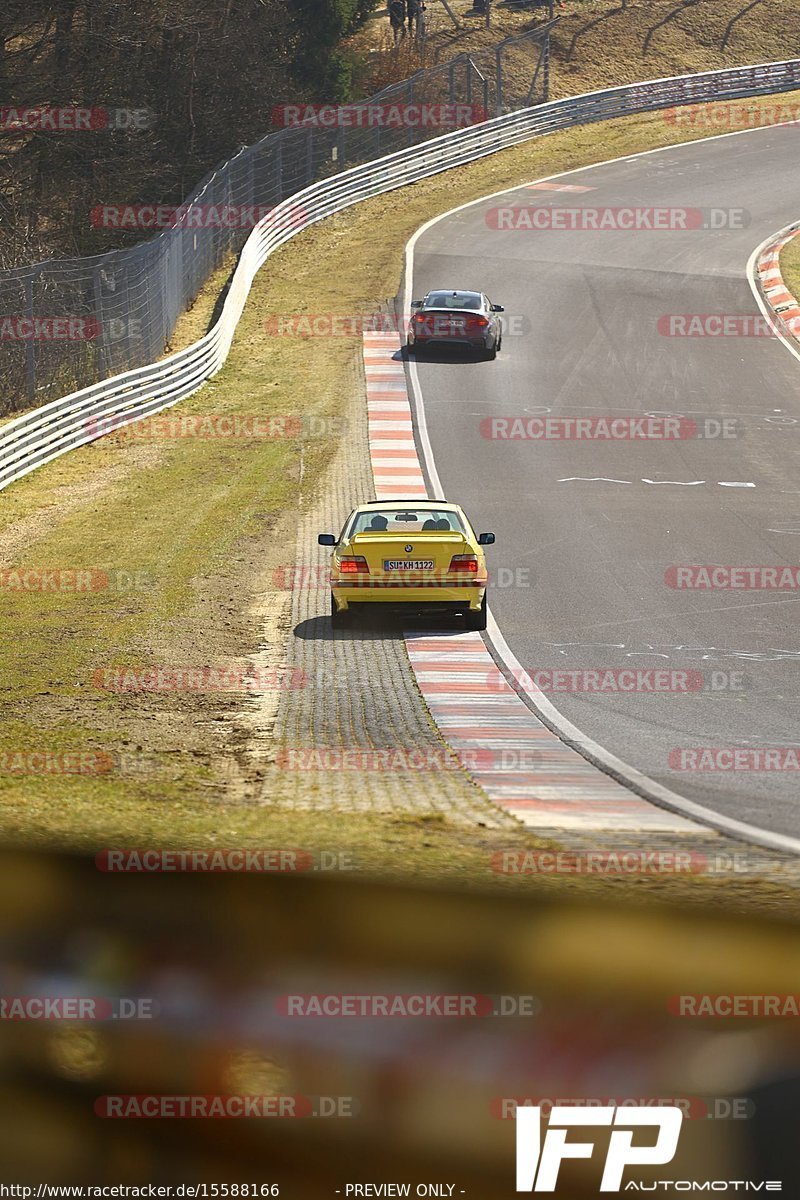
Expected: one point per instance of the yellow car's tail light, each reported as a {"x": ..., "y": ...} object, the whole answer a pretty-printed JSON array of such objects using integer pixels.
[
  {"x": 351, "y": 565},
  {"x": 463, "y": 562}
]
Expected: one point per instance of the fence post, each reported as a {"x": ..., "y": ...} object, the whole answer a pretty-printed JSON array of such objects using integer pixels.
[
  {"x": 279, "y": 164},
  {"x": 30, "y": 359},
  {"x": 421, "y": 29},
  {"x": 546, "y": 67},
  {"x": 310, "y": 155},
  {"x": 498, "y": 55},
  {"x": 97, "y": 292}
]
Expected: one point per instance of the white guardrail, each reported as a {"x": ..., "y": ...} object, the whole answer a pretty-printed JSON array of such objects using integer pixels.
[{"x": 39, "y": 436}]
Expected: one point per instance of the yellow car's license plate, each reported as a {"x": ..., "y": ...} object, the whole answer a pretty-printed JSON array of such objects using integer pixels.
[{"x": 408, "y": 564}]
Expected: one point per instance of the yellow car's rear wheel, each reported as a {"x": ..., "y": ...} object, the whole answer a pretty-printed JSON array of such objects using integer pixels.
[
  {"x": 476, "y": 620},
  {"x": 337, "y": 617}
]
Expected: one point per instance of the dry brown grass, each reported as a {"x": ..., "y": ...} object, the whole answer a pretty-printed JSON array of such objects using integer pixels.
[
  {"x": 790, "y": 263},
  {"x": 598, "y": 43}
]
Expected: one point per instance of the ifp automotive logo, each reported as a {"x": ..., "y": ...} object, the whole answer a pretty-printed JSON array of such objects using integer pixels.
[{"x": 538, "y": 1162}]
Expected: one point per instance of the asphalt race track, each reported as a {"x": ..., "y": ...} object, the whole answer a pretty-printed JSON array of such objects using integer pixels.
[{"x": 597, "y": 523}]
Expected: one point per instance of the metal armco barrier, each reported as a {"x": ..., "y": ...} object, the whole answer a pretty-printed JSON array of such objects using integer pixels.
[{"x": 45, "y": 433}]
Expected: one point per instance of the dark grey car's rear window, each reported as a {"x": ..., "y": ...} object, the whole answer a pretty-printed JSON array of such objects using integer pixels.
[{"x": 453, "y": 300}]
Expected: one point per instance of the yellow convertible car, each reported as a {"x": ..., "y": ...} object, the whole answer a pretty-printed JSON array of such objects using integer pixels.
[{"x": 415, "y": 555}]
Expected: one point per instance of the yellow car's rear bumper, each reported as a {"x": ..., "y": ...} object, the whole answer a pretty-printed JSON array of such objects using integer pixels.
[{"x": 346, "y": 593}]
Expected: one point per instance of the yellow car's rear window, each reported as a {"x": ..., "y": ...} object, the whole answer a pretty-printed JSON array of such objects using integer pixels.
[{"x": 406, "y": 520}]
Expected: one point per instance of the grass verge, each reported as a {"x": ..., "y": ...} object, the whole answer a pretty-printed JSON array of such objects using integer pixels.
[{"x": 790, "y": 265}]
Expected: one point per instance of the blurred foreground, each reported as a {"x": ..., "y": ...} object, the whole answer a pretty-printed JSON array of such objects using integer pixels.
[{"x": 211, "y": 987}]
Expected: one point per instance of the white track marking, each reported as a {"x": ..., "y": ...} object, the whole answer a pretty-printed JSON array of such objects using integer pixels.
[{"x": 591, "y": 479}]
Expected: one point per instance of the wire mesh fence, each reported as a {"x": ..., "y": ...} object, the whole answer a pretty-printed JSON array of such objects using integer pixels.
[{"x": 70, "y": 323}]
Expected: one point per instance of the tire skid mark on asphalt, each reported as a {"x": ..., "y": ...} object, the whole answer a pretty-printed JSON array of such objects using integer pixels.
[{"x": 525, "y": 769}]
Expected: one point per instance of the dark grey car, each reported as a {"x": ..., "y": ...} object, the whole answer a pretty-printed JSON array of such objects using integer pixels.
[{"x": 460, "y": 318}]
